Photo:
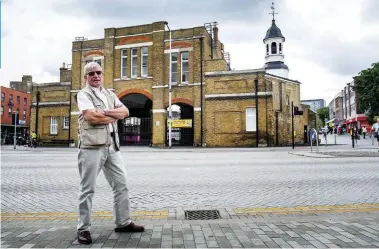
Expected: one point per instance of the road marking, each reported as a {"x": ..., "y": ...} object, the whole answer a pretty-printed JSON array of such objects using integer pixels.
[{"x": 164, "y": 214}]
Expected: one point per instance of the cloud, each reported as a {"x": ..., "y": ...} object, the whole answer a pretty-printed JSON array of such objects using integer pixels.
[{"x": 327, "y": 42}]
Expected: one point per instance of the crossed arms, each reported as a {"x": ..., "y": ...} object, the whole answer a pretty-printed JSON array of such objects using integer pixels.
[{"x": 101, "y": 117}]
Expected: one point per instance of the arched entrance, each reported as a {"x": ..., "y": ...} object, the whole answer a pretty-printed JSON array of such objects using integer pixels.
[
  {"x": 182, "y": 132},
  {"x": 137, "y": 128}
]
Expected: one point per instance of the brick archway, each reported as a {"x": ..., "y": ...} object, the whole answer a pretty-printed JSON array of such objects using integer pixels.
[
  {"x": 140, "y": 91},
  {"x": 179, "y": 100}
]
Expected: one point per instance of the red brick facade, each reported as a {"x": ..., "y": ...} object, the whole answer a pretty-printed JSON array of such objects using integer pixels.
[{"x": 21, "y": 102}]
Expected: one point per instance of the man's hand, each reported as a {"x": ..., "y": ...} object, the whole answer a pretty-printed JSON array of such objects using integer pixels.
[{"x": 95, "y": 117}]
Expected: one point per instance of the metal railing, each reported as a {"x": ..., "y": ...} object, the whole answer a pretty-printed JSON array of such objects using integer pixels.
[{"x": 313, "y": 129}]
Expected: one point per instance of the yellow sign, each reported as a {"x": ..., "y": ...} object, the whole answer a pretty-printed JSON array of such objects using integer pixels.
[{"x": 180, "y": 123}]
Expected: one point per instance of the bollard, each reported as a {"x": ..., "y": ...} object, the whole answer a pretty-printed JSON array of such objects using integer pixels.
[
  {"x": 352, "y": 139},
  {"x": 335, "y": 138}
]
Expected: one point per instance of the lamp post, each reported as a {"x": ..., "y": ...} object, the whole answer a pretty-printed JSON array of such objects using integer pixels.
[
  {"x": 169, "y": 96},
  {"x": 15, "y": 130}
]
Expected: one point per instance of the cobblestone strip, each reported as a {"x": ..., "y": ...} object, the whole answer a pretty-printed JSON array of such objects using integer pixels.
[{"x": 314, "y": 232}]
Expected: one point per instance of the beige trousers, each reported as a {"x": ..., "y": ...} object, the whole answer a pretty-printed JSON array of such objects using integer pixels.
[{"x": 90, "y": 162}]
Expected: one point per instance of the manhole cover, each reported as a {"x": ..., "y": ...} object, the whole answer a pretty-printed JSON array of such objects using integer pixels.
[{"x": 202, "y": 215}]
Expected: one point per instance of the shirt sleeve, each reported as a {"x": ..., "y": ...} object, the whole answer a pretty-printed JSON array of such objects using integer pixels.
[
  {"x": 118, "y": 102},
  {"x": 84, "y": 103}
]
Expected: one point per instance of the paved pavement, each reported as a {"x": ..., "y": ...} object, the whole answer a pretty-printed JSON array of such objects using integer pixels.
[{"x": 265, "y": 198}]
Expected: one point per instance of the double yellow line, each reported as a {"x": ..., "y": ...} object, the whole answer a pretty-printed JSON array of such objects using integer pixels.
[
  {"x": 103, "y": 215},
  {"x": 164, "y": 214},
  {"x": 308, "y": 209}
]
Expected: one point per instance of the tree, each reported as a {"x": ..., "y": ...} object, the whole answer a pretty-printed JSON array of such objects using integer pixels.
[
  {"x": 323, "y": 113},
  {"x": 366, "y": 86}
]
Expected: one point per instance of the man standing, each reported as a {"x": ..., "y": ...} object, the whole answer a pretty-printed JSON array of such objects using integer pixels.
[
  {"x": 99, "y": 149},
  {"x": 375, "y": 130},
  {"x": 364, "y": 131}
]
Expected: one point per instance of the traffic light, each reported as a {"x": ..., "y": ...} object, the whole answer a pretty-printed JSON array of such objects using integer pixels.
[
  {"x": 296, "y": 111},
  {"x": 15, "y": 118}
]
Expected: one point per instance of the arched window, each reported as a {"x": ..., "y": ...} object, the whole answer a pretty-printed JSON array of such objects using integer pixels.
[
  {"x": 280, "y": 48},
  {"x": 273, "y": 48},
  {"x": 267, "y": 49}
]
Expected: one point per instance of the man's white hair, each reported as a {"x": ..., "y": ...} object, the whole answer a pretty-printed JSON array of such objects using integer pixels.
[{"x": 89, "y": 66}]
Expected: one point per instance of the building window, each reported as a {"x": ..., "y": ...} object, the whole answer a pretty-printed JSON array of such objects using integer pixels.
[
  {"x": 144, "y": 60},
  {"x": 10, "y": 112},
  {"x": 134, "y": 63},
  {"x": 10, "y": 97},
  {"x": 53, "y": 126},
  {"x": 174, "y": 68},
  {"x": 2, "y": 96},
  {"x": 287, "y": 100},
  {"x": 273, "y": 48},
  {"x": 24, "y": 114},
  {"x": 267, "y": 52},
  {"x": 25, "y": 101},
  {"x": 98, "y": 61},
  {"x": 2, "y": 110},
  {"x": 251, "y": 124},
  {"x": 124, "y": 62},
  {"x": 280, "y": 48},
  {"x": 184, "y": 67},
  {"x": 18, "y": 100},
  {"x": 65, "y": 123}
]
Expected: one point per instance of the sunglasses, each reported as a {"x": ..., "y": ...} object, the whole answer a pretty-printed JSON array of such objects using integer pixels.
[{"x": 93, "y": 73}]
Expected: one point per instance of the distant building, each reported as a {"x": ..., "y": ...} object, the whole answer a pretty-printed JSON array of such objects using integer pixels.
[
  {"x": 314, "y": 104},
  {"x": 13, "y": 100}
]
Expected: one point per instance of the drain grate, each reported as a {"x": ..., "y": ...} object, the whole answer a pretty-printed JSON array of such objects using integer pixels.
[{"x": 202, "y": 215}]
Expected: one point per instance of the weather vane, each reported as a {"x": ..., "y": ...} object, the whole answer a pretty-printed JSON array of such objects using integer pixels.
[{"x": 273, "y": 11}]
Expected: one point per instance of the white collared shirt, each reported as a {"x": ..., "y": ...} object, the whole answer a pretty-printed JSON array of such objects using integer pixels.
[{"x": 84, "y": 103}]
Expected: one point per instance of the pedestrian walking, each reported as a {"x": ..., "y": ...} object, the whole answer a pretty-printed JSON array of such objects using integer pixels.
[
  {"x": 364, "y": 132},
  {"x": 375, "y": 131},
  {"x": 99, "y": 149}
]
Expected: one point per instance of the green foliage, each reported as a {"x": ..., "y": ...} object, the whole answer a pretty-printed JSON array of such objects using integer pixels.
[
  {"x": 323, "y": 113},
  {"x": 366, "y": 85}
]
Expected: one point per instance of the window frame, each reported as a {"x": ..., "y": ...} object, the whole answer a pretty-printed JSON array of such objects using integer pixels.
[
  {"x": 2, "y": 110},
  {"x": 53, "y": 126},
  {"x": 2, "y": 96},
  {"x": 122, "y": 63},
  {"x": 131, "y": 63},
  {"x": 65, "y": 120},
  {"x": 247, "y": 119},
  {"x": 182, "y": 61},
  {"x": 145, "y": 55},
  {"x": 174, "y": 79}
]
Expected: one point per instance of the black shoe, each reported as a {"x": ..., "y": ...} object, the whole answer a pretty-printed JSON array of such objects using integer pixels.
[
  {"x": 84, "y": 237},
  {"x": 131, "y": 228}
]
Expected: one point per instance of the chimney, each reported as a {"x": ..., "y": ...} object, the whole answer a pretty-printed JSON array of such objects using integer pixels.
[{"x": 64, "y": 73}]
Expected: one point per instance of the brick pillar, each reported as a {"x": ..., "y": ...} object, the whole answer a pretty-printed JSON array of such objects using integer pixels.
[
  {"x": 109, "y": 45},
  {"x": 197, "y": 126}
]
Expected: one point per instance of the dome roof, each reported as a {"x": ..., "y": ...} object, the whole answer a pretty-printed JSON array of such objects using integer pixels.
[{"x": 273, "y": 32}]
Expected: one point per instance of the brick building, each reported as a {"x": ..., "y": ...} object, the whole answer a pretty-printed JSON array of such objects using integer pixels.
[
  {"x": 13, "y": 100},
  {"x": 212, "y": 104}
]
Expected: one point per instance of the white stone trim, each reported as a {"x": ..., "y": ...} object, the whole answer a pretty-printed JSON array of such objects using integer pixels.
[
  {"x": 134, "y": 45},
  {"x": 51, "y": 103},
  {"x": 159, "y": 111},
  {"x": 178, "y": 50},
  {"x": 179, "y": 85},
  {"x": 233, "y": 72},
  {"x": 281, "y": 78},
  {"x": 68, "y": 83},
  {"x": 161, "y": 30},
  {"x": 75, "y": 113},
  {"x": 162, "y": 86},
  {"x": 234, "y": 95},
  {"x": 197, "y": 109},
  {"x": 87, "y": 49},
  {"x": 185, "y": 38},
  {"x": 127, "y": 78},
  {"x": 74, "y": 91}
]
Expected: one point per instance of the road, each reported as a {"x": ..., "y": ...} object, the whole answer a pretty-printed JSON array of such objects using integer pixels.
[{"x": 46, "y": 180}]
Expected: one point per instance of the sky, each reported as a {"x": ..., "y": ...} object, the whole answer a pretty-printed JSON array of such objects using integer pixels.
[{"x": 327, "y": 42}]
